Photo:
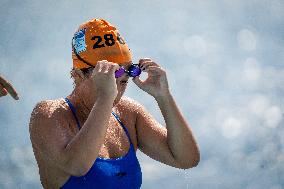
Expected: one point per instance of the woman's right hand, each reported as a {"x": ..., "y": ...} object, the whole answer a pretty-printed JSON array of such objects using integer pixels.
[{"x": 104, "y": 79}]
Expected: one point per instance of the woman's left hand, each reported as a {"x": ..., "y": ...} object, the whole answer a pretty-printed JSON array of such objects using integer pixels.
[{"x": 156, "y": 83}]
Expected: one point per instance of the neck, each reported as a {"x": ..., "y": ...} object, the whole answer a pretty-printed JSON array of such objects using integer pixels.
[{"x": 82, "y": 103}]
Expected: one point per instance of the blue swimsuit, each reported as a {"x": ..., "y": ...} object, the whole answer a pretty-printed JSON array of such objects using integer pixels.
[{"x": 116, "y": 173}]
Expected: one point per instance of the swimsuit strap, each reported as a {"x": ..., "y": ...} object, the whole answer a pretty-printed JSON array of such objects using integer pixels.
[
  {"x": 73, "y": 111},
  {"x": 78, "y": 124},
  {"x": 124, "y": 128}
]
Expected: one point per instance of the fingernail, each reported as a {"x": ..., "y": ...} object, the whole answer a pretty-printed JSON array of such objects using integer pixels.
[{"x": 5, "y": 91}]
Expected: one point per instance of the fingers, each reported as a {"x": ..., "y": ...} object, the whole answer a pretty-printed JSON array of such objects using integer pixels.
[
  {"x": 145, "y": 62},
  {"x": 97, "y": 67},
  {"x": 8, "y": 88},
  {"x": 101, "y": 66},
  {"x": 3, "y": 91},
  {"x": 114, "y": 67},
  {"x": 155, "y": 69},
  {"x": 144, "y": 59},
  {"x": 106, "y": 67},
  {"x": 137, "y": 81}
]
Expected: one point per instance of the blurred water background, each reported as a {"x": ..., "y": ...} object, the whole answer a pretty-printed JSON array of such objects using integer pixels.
[{"x": 225, "y": 65}]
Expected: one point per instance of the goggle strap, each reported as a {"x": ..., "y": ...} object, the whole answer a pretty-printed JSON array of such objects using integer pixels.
[{"x": 78, "y": 56}]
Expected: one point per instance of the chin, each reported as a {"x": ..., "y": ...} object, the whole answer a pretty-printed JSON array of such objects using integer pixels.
[
  {"x": 118, "y": 97},
  {"x": 116, "y": 101}
]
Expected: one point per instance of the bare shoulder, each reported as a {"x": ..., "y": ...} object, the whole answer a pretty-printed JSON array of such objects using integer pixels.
[
  {"x": 128, "y": 104},
  {"x": 46, "y": 113},
  {"x": 47, "y": 109},
  {"x": 129, "y": 110}
]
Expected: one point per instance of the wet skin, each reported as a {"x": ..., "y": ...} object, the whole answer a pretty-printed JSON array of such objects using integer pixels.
[
  {"x": 52, "y": 127},
  {"x": 115, "y": 143}
]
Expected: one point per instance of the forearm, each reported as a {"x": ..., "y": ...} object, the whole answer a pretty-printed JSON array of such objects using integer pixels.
[
  {"x": 83, "y": 149},
  {"x": 180, "y": 139}
]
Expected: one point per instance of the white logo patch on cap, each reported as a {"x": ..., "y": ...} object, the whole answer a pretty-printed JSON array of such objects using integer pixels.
[{"x": 79, "y": 41}]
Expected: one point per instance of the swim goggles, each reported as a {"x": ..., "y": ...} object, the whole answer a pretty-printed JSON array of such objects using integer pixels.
[{"x": 132, "y": 71}]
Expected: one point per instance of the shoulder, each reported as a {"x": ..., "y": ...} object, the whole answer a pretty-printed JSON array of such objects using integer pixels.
[
  {"x": 128, "y": 104},
  {"x": 47, "y": 110}
]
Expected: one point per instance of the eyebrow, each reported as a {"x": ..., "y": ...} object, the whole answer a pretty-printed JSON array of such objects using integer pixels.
[{"x": 126, "y": 65}]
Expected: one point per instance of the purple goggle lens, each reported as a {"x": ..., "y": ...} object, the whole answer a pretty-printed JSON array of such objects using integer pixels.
[{"x": 132, "y": 71}]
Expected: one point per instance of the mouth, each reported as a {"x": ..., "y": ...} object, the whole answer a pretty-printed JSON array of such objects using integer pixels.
[{"x": 123, "y": 82}]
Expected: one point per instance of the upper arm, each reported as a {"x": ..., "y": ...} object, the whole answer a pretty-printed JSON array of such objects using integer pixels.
[
  {"x": 48, "y": 135},
  {"x": 152, "y": 137}
]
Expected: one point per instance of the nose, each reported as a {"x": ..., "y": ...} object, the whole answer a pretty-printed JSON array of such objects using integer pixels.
[{"x": 124, "y": 77}]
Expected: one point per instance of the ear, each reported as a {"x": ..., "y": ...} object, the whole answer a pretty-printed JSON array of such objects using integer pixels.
[{"x": 77, "y": 75}]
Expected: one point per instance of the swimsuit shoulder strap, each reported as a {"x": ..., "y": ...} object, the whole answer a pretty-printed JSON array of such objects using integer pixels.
[
  {"x": 73, "y": 111},
  {"x": 78, "y": 124},
  {"x": 124, "y": 128}
]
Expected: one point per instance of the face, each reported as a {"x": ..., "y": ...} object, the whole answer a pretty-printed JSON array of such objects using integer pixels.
[{"x": 121, "y": 82}]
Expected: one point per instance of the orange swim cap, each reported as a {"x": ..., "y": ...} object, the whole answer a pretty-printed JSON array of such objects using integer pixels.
[{"x": 97, "y": 40}]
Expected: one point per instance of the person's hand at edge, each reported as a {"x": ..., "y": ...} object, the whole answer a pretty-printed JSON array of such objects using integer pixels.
[{"x": 6, "y": 87}]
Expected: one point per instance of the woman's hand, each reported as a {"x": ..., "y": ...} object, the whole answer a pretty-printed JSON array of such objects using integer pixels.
[
  {"x": 156, "y": 83},
  {"x": 104, "y": 82},
  {"x": 6, "y": 87}
]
